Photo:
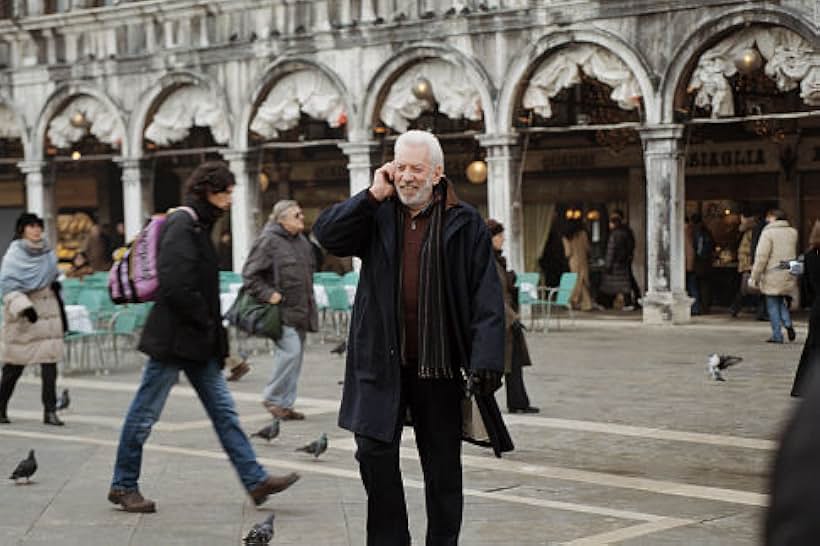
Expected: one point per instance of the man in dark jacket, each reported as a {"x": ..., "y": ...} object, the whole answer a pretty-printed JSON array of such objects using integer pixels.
[
  {"x": 428, "y": 308},
  {"x": 279, "y": 270},
  {"x": 616, "y": 280},
  {"x": 184, "y": 333}
]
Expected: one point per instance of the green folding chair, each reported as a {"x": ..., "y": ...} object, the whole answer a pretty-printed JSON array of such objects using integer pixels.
[{"x": 559, "y": 296}]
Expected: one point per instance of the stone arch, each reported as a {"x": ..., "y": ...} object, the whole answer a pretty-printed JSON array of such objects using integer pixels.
[
  {"x": 713, "y": 30},
  {"x": 58, "y": 99},
  {"x": 275, "y": 71},
  {"x": 547, "y": 44},
  {"x": 6, "y": 101},
  {"x": 395, "y": 66},
  {"x": 153, "y": 96}
]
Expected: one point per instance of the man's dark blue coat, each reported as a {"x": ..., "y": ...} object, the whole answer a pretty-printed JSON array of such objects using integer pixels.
[{"x": 475, "y": 311}]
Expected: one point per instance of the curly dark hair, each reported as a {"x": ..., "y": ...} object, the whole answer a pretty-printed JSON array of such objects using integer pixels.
[{"x": 210, "y": 177}]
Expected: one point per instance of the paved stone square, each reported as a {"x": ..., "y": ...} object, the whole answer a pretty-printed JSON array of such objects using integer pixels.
[{"x": 635, "y": 445}]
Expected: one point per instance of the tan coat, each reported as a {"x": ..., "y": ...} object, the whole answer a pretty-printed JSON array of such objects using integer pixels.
[
  {"x": 25, "y": 343},
  {"x": 778, "y": 243},
  {"x": 577, "y": 253}
]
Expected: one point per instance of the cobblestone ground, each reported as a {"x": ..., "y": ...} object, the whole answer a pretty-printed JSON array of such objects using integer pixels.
[{"x": 634, "y": 445}]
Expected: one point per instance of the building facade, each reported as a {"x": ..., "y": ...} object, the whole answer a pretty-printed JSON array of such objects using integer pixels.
[{"x": 547, "y": 109}]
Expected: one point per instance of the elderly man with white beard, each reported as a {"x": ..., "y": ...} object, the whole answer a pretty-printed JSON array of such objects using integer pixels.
[{"x": 429, "y": 312}]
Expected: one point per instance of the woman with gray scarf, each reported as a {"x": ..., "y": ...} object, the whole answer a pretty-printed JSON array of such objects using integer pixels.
[{"x": 32, "y": 331}]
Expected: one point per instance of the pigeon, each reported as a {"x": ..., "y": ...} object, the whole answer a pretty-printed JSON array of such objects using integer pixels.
[
  {"x": 63, "y": 401},
  {"x": 340, "y": 348},
  {"x": 268, "y": 432},
  {"x": 260, "y": 533},
  {"x": 26, "y": 468},
  {"x": 718, "y": 362},
  {"x": 316, "y": 447}
]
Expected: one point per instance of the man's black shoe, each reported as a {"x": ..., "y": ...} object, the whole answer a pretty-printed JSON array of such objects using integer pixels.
[{"x": 792, "y": 334}]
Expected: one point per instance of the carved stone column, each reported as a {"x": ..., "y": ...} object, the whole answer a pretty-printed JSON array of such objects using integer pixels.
[
  {"x": 504, "y": 201},
  {"x": 137, "y": 194},
  {"x": 359, "y": 156},
  {"x": 40, "y": 194},
  {"x": 666, "y": 301},
  {"x": 246, "y": 214}
]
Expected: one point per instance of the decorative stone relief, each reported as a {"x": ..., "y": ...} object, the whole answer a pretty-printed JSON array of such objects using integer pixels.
[
  {"x": 305, "y": 91},
  {"x": 789, "y": 60},
  {"x": 563, "y": 69},
  {"x": 9, "y": 128},
  {"x": 187, "y": 107},
  {"x": 452, "y": 90},
  {"x": 97, "y": 119}
]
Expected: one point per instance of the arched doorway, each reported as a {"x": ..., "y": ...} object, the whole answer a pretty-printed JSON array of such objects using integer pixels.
[
  {"x": 748, "y": 100},
  {"x": 12, "y": 181},
  {"x": 435, "y": 95},
  {"x": 83, "y": 138},
  {"x": 185, "y": 126},
  {"x": 579, "y": 108},
  {"x": 298, "y": 123}
]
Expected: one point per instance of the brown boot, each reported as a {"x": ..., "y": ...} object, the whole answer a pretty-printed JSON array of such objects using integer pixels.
[
  {"x": 131, "y": 501},
  {"x": 272, "y": 485}
]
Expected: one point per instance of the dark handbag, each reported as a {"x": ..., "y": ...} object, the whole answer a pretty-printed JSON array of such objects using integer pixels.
[
  {"x": 254, "y": 317},
  {"x": 520, "y": 354}
]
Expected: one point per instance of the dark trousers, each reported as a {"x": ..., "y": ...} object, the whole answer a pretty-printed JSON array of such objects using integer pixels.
[
  {"x": 12, "y": 372},
  {"x": 435, "y": 406},
  {"x": 516, "y": 392}
]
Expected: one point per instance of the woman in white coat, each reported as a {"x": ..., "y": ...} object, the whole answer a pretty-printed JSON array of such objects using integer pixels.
[
  {"x": 32, "y": 331},
  {"x": 778, "y": 244}
]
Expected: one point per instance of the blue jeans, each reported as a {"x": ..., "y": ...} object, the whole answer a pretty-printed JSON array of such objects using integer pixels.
[
  {"x": 207, "y": 380},
  {"x": 287, "y": 365},
  {"x": 778, "y": 314}
]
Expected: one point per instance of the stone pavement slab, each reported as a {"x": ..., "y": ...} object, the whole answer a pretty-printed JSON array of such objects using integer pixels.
[{"x": 634, "y": 445}]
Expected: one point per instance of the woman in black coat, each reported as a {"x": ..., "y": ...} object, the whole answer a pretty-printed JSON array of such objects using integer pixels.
[{"x": 811, "y": 349}]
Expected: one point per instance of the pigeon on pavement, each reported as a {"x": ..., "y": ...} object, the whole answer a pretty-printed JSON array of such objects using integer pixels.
[
  {"x": 316, "y": 447},
  {"x": 717, "y": 362},
  {"x": 63, "y": 401},
  {"x": 340, "y": 348},
  {"x": 25, "y": 469},
  {"x": 268, "y": 432},
  {"x": 260, "y": 533}
]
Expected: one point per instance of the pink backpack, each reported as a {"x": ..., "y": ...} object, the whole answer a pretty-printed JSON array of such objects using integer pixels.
[{"x": 134, "y": 278}]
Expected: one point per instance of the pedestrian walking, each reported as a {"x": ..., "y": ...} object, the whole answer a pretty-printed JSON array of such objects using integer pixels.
[
  {"x": 777, "y": 245},
  {"x": 616, "y": 280},
  {"x": 516, "y": 355},
  {"x": 184, "y": 332},
  {"x": 744, "y": 261},
  {"x": 691, "y": 280},
  {"x": 576, "y": 249},
  {"x": 279, "y": 270},
  {"x": 32, "y": 330},
  {"x": 811, "y": 349},
  {"x": 428, "y": 308}
]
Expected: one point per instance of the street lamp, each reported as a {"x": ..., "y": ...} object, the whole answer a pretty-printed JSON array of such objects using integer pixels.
[
  {"x": 477, "y": 172},
  {"x": 78, "y": 119}
]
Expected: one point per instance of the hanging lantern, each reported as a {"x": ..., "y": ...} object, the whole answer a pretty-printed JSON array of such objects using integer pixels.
[
  {"x": 76, "y": 155},
  {"x": 748, "y": 60},
  {"x": 477, "y": 172},
  {"x": 423, "y": 89},
  {"x": 78, "y": 119}
]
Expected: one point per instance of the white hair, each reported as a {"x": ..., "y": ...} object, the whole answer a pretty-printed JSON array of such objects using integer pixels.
[
  {"x": 281, "y": 207},
  {"x": 419, "y": 138}
]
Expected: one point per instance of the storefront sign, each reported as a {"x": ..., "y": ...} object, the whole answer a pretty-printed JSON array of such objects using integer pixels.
[
  {"x": 731, "y": 158},
  {"x": 575, "y": 159}
]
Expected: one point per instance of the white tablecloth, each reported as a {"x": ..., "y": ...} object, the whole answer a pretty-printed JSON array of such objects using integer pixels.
[{"x": 79, "y": 320}]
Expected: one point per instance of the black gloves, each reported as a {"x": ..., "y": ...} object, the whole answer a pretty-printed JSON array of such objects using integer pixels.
[
  {"x": 30, "y": 314},
  {"x": 483, "y": 382}
]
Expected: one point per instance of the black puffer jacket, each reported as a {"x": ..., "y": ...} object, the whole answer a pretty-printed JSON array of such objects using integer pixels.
[
  {"x": 185, "y": 322},
  {"x": 284, "y": 263}
]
